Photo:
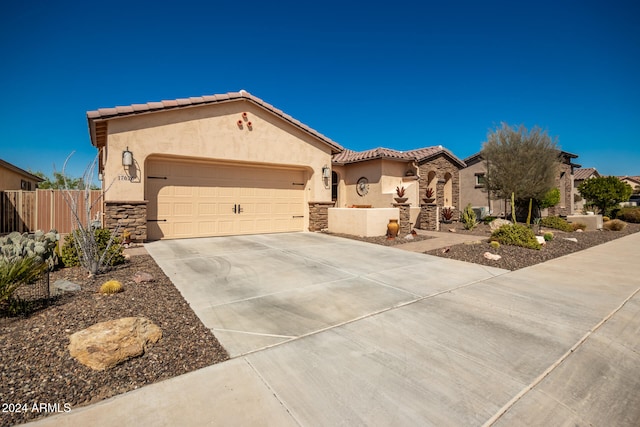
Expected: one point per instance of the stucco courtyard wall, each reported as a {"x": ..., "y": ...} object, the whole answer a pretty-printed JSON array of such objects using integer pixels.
[{"x": 361, "y": 222}]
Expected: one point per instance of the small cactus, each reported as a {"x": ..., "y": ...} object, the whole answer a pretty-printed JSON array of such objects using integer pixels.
[
  {"x": 548, "y": 236},
  {"x": 111, "y": 287},
  {"x": 494, "y": 244}
]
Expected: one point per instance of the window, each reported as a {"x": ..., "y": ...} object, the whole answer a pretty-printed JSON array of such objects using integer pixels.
[
  {"x": 480, "y": 181},
  {"x": 25, "y": 185}
]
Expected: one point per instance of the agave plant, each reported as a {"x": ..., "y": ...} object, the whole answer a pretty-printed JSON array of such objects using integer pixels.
[{"x": 16, "y": 272}]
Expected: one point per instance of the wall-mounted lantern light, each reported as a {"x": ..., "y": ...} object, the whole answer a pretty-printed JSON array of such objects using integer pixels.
[
  {"x": 326, "y": 172},
  {"x": 127, "y": 158}
]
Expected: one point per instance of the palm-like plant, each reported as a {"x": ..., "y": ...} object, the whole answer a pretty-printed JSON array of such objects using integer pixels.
[{"x": 16, "y": 272}]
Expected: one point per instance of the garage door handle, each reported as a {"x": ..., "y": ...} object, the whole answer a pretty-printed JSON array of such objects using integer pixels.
[
  {"x": 298, "y": 216},
  {"x": 237, "y": 209},
  {"x": 157, "y": 220}
]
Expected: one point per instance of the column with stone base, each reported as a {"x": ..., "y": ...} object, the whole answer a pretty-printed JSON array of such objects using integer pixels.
[
  {"x": 405, "y": 218},
  {"x": 429, "y": 217}
]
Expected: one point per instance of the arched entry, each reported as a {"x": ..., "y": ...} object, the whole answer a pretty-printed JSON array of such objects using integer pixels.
[
  {"x": 448, "y": 190},
  {"x": 432, "y": 183}
]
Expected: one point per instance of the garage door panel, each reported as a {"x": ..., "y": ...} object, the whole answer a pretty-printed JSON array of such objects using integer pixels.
[{"x": 198, "y": 199}]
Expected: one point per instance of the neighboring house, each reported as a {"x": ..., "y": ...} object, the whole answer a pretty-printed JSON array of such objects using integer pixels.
[
  {"x": 579, "y": 176},
  {"x": 370, "y": 178},
  {"x": 211, "y": 166},
  {"x": 472, "y": 186},
  {"x": 633, "y": 181},
  {"x": 14, "y": 178}
]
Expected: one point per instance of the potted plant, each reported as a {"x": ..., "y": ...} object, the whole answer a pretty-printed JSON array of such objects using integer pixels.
[
  {"x": 429, "y": 195},
  {"x": 400, "y": 193},
  {"x": 447, "y": 215}
]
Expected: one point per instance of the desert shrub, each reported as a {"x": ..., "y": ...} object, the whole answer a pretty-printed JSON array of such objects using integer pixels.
[
  {"x": 111, "y": 287},
  {"x": 494, "y": 244},
  {"x": 516, "y": 235},
  {"x": 548, "y": 236},
  {"x": 578, "y": 226},
  {"x": 629, "y": 215},
  {"x": 469, "y": 217},
  {"x": 16, "y": 272},
  {"x": 605, "y": 219},
  {"x": 114, "y": 256},
  {"x": 487, "y": 219},
  {"x": 557, "y": 223},
  {"x": 614, "y": 225}
]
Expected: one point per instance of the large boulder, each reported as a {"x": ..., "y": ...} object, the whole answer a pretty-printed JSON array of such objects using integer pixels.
[
  {"x": 104, "y": 345},
  {"x": 497, "y": 223}
]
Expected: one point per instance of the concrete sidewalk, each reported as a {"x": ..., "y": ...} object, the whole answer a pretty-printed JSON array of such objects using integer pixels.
[{"x": 553, "y": 344}]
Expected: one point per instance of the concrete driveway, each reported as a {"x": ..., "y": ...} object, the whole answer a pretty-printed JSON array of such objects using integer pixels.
[
  {"x": 257, "y": 291},
  {"x": 387, "y": 337}
]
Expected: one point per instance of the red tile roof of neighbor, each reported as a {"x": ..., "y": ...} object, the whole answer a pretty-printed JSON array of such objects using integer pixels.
[
  {"x": 103, "y": 114},
  {"x": 585, "y": 173},
  {"x": 418, "y": 155},
  {"x": 630, "y": 177}
]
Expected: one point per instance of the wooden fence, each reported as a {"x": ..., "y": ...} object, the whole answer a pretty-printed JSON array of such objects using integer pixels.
[{"x": 43, "y": 210}]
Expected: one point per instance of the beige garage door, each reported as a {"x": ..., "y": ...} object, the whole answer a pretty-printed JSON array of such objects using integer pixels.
[{"x": 190, "y": 199}]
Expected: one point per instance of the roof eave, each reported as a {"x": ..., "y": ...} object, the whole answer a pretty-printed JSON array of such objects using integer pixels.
[{"x": 106, "y": 114}]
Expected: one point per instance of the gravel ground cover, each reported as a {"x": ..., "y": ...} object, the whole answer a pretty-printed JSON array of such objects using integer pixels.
[
  {"x": 514, "y": 257},
  {"x": 35, "y": 365},
  {"x": 36, "y": 368}
]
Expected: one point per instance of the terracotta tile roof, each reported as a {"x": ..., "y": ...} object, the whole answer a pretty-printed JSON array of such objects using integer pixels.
[
  {"x": 103, "y": 114},
  {"x": 585, "y": 173},
  {"x": 418, "y": 155},
  {"x": 350, "y": 156},
  {"x": 630, "y": 177}
]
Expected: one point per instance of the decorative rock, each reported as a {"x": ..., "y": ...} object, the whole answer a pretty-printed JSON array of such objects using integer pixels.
[
  {"x": 579, "y": 230},
  {"x": 494, "y": 257},
  {"x": 497, "y": 223},
  {"x": 105, "y": 345},
  {"x": 409, "y": 237},
  {"x": 541, "y": 240},
  {"x": 452, "y": 230},
  {"x": 142, "y": 276},
  {"x": 571, "y": 239},
  {"x": 62, "y": 285}
]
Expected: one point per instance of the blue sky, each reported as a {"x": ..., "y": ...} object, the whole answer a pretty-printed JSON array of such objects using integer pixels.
[{"x": 400, "y": 75}]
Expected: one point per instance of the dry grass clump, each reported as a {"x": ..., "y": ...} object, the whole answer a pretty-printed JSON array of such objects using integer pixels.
[{"x": 614, "y": 225}]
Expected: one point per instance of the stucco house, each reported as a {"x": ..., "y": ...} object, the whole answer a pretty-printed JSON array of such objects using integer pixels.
[
  {"x": 472, "y": 186},
  {"x": 211, "y": 166},
  {"x": 370, "y": 178},
  {"x": 15, "y": 178},
  {"x": 233, "y": 164},
  {"x": 633, "y": 181}
]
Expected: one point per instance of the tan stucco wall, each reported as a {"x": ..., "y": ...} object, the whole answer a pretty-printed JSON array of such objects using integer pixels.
[
  {"x": 383, "y": 175},
  {"x": 211, "y": 132},
  {"x": 11, "y": 180},
  {"x": 361, "y": 222},
  {"x": 469, "y": 193}
]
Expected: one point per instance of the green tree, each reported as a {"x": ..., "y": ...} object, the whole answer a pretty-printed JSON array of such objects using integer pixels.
[
  {"x": 59, "y": 181},
  {"x": 551, "y": 198},
  {"x": 605, "y": 192},
  {"x": 521, "y": 164}
]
